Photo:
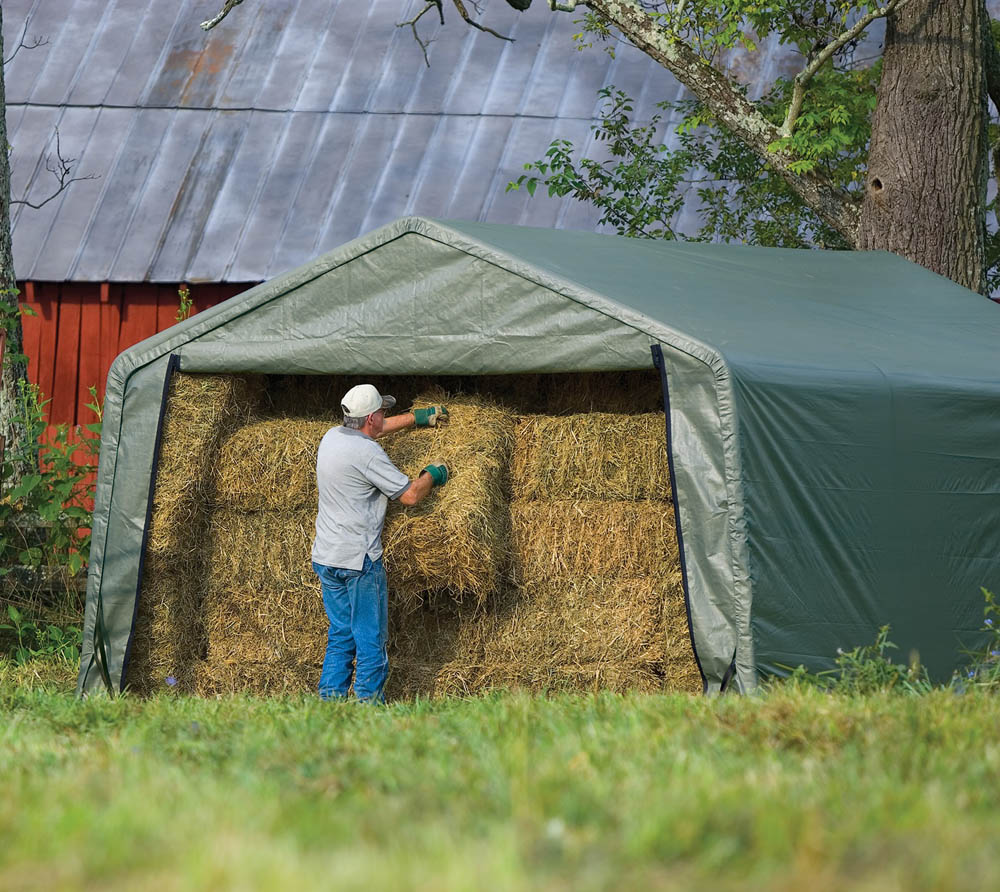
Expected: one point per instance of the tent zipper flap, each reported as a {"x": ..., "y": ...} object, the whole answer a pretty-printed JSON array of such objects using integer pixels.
[
  {"x": 730, "y": 674},
  {"x": 173, "y": 365},
  {"x": 661, "y": 366}
]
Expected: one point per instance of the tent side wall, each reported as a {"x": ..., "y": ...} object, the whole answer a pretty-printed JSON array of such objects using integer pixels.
[
  {"x": 873, "y": 499},
  {"x": 364, "y": 310}
]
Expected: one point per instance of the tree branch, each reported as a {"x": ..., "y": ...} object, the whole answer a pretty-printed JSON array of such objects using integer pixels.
[
  {"x": 804, "y": 76},
  {"x": 423, "y": 44},
  {"x": 61, "y": 170},
  {"x": 21, "y": 45},
  {"x": 730, "y": 107},
  {"x": 464, "y": 13},
  {"x": 211, "y": 23}
]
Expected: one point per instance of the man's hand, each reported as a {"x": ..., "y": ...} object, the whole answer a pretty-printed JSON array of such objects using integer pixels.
[
  {"x": 439, "y": 474},
  {"x": 431, "y": 416}
]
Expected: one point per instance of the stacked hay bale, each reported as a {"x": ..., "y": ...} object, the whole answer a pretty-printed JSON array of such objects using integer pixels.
[
  {"x": 263, "y": 613},
  {"x": 169, "y": 636},
  {"x": 598, "y": 599}
]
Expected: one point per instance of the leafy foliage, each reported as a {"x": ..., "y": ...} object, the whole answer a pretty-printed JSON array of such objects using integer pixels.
[
  {"x": 642, "y": 185},
  {"x": 713, "y": 27},
  {"x": 185, "y": 303},
  {"x": 45, "y": 516},
  {"x": 42, "y": 641}
]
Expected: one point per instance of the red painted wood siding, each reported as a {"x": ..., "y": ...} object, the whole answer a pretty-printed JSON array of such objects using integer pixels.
[{"x": 79, "y": 329}]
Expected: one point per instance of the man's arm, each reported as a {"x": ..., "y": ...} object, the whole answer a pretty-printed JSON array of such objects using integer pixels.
[
  {"x": 397, "y": 423},
  {"x": 417, "y": 490},
  {"x": 429, "y": 417}
]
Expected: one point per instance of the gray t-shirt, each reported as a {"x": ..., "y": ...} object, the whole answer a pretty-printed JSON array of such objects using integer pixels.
[{"x": 356, "y": 479}]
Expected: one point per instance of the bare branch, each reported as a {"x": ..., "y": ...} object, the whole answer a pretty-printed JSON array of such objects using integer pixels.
[
  {"x": 61, "y": 169},
  {"x": 423, "y": 44},
  {"x": 804, "y": 76},
  {"x": 464, "y": 13},
  {"x": 38, "y": 41},
  {"x": 211, "y": 23}
]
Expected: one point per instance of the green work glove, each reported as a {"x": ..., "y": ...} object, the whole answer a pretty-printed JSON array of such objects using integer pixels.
[
  {"x": 430, "y": 416},
  {"x": 439, "y": 474}
]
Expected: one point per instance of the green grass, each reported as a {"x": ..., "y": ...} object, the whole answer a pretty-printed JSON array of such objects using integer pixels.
[{"x": 791, "y": 789}]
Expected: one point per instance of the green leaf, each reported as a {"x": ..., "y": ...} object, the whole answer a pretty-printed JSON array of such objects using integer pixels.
[
  {"x": 31, "y": 557},
  {"x": 24, "y": 488}
]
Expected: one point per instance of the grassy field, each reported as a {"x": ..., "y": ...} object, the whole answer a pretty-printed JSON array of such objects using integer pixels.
[{"x": 789, "y": 789}]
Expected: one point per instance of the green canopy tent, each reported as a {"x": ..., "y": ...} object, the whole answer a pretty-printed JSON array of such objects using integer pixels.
[{"x": 834, "y": 417}]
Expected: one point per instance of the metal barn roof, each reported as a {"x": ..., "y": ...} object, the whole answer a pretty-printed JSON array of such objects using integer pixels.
[{"x": 291, "y": 128}]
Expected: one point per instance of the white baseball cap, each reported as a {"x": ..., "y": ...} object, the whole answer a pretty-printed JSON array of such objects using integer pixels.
[{"x": 362, "y": 400}]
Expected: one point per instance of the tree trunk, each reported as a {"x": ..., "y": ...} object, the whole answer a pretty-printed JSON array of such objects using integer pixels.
[
  {"x": 925, "y": 192},
  {"x": 13, "y": 367}
]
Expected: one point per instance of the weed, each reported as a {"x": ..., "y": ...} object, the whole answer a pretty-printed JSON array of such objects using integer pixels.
[
  {"x": 41, "y": 641},
  {"x": 868, "y": 669},
  {"x": 983, "y": 671}
]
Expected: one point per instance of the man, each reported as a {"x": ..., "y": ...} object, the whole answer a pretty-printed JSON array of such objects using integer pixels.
[{"x": 356, "y": 479}]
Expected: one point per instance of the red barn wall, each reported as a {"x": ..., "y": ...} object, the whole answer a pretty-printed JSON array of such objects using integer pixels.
[{"x": 79, "y": 328}]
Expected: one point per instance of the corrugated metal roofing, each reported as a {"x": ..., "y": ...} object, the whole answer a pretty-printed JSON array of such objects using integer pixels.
[{"x": 291, "y": 128}]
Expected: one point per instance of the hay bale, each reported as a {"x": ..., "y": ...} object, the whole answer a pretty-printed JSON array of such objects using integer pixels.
[
  {"x": 577, "y": 539},
  {"x": 618, "y": 392},
  {"x": 456, "y": 540},
  {"x": 269, "y": 465},
  {"x": 289, "y": 676},
  {"x": 262, "y": 626},
  {"x": 201, "y": 410},
  {"x": 169, "y": 635},
  {"x": 597, "y": 455},
  {"x": 423, "y": 644},
  {"x": 628, "y": 633},
  {"x": 571, "y": 392},
  {"x": 261, "y": 551}
]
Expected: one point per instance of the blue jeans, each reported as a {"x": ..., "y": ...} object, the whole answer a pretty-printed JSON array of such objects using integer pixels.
[{"x": 357, "y": 605}]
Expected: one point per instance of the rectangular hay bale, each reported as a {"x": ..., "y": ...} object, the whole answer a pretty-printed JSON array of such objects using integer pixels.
[
  {"x": 628, "y": 633},
  {"x": 591, "y": 456},
  {"x": 578, "y": 539},
  {"x": 269, "y": 466},
  {"x": 201, "y": 410}
]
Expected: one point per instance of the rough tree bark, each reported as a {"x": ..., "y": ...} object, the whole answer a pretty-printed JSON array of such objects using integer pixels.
[
  {"x": 927, "y": 170},
  {"x": 12, "y": 370}
]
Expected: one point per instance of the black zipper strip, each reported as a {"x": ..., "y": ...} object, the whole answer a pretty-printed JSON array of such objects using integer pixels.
[
  {"x": 661, "y": 365},
  {"x": 730, "y": 674}
]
